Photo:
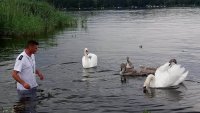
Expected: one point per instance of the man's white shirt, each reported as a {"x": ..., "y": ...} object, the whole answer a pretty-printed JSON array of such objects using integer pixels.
[{"x": 25, "y": 65}]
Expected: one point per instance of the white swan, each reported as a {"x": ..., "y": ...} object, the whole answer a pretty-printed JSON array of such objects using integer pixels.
[
  {"x": 167, "y": 75},
  {"x": 89, "y": 60}
]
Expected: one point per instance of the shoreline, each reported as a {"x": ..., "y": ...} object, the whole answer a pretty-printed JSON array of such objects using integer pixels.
[{"x": 126, "y": 8}]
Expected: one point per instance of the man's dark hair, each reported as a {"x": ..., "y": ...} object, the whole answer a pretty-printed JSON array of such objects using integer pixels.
[{"x": 31, "y": 43}]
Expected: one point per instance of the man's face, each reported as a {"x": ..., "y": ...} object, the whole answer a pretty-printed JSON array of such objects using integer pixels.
[{"x": 33, "y": 48}]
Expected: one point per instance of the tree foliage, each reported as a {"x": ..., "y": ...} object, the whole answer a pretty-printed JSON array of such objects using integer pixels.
[{"x": 93, "y": 4}]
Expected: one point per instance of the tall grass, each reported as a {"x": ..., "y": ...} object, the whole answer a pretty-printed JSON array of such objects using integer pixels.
[{"x": 30, "y": 17}]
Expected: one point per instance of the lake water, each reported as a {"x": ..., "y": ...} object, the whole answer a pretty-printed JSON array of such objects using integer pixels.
[{"x": 111, "y": 35}]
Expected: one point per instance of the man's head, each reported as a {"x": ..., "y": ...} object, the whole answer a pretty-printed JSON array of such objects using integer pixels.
[{"x": 32, "y": 46}]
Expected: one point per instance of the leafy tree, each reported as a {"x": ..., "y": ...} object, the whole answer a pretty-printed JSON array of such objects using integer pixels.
[{"x": 76, "y": 4}]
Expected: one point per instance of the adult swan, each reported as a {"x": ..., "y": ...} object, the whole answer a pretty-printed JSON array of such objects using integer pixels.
[
  {"x": 89, "y": 60},
  {"x": 167, "y": 75}
]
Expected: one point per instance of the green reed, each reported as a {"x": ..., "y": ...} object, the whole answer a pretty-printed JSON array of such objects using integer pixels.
[
  {"x": 31, "y": 17},
  {"x": 145, "y": 111}
]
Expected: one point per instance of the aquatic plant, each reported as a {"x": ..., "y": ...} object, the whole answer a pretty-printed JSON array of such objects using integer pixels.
[
  {"x": 145, "y": 111},
  {"x": 31, "y": 17}
]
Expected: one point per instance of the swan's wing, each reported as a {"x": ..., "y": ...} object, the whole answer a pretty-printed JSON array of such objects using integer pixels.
[
  {"x": 162, "y": 79},
  {"x": 176, "y": 73},
  {"x": 181, "y": 79},
  {"x": 166, "y": 76},
  {"x": 92, "y": 59},
  {"x": 163, "y": 67},
  {"x": 161, "y": 71},
  {"x": 160, "y": 75}
]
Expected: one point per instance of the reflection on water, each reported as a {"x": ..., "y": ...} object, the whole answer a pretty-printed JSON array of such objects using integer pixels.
[
  {"x": 172, "y": 94},
  {"x": 8, "y": 46},
  {"x": 112, "y": 35},
  {"x": 88, "y": 72}
]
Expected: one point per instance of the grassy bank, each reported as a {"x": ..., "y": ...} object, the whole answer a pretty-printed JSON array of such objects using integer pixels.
[{"x": 31, "y": 17}]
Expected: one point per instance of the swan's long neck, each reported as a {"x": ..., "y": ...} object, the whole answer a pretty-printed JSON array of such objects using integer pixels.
[
  {"x": 128, "y": 60},
  {"x": 149, "y": 80},
  {"x": 128, "y": 64},
  {"x": 86, "y": 55}
]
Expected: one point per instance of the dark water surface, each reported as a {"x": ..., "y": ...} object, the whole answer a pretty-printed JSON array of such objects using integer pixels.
[{"x": 112, "y": 35}]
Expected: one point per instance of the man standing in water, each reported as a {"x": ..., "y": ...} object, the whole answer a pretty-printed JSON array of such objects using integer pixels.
[{"x": 25, "y": 71}]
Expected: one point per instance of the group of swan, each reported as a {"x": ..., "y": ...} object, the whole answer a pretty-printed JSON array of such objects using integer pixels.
[
  {"x": 167, "y": 75},
  {"x": 128, "y": 69}
]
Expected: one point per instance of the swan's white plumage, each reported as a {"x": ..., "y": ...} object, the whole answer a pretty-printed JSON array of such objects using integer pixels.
[
  {"x": 181, "y": 79},
  {"x": 166, "y": 76},
  {"x": 89, "y": 61}
]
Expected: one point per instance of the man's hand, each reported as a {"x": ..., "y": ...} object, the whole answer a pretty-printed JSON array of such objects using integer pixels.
[
  {"x": 25, "y": 85},
  {"x": 40, "y": 74}
]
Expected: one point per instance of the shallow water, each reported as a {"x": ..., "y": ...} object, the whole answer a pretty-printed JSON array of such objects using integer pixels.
[{"x": 112, "y": 35}]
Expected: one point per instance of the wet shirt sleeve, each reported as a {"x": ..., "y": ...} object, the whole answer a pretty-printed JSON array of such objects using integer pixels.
[{"x": 18, "y": 64}]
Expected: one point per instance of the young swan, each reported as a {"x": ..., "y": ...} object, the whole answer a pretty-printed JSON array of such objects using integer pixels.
[
  {"x": 123, "y": 69},
  {"x": 129, "y": 63},
  {"x": 128, "y": 69},
  {"x": 147, "y": 70}
]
